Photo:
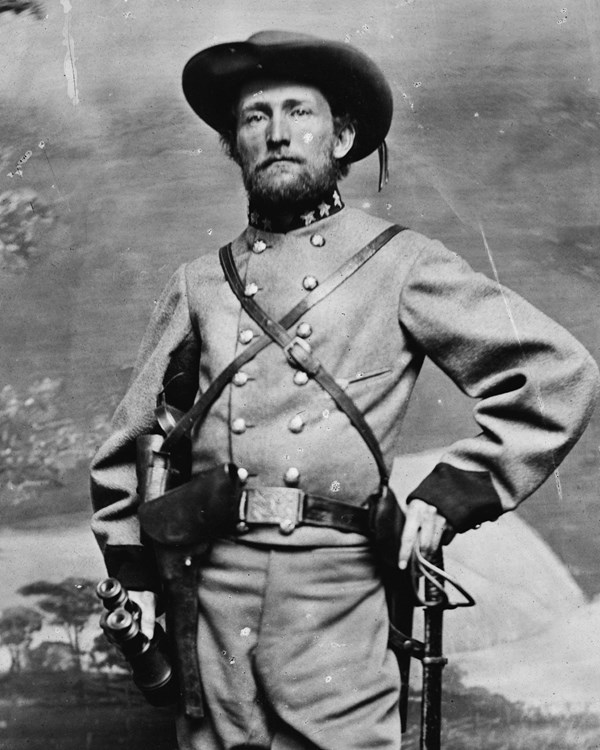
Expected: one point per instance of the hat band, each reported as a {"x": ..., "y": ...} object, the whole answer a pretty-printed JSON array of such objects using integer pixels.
[{"x": 384, "y": 167}]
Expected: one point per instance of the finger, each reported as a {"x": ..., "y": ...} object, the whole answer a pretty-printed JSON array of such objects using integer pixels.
[
  {"x": 410, "y": 532},
  {"x": 430, "y": 534}
]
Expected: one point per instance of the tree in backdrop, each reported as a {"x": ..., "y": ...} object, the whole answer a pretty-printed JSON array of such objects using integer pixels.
[
  {"x": 70, "y": 604},
  {"x": 17, "y": 626},
  {"x": 24, "y": 219},
  {"x": 106, "y": 657},
  {"x": 52, "y": 656},
  {"x": 38, "y": 444}
]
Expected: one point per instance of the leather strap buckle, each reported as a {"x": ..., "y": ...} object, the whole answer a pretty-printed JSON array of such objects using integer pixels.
[
  {"x": 271, "y": 506},
  {"x": 299, "y": 353}
]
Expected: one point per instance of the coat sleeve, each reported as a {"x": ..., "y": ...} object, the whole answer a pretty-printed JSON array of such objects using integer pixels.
[
  {"x": 535, "y": 384},
  {"x": 113, "y": 474}
]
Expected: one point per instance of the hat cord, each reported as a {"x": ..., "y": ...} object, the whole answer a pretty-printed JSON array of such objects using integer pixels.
[{"x": 384, "y": 171}]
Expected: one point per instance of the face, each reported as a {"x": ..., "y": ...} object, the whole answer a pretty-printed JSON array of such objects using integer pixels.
[{"x": 286, "y": 141}]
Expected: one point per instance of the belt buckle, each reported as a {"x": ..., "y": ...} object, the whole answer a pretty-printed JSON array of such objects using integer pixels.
[{"x": 281, "y": 506}]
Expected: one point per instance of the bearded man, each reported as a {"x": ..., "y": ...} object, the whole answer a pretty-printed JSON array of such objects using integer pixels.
[{"x": 291, "y": 627}]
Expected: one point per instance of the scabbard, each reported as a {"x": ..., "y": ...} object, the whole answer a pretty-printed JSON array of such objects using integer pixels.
[
  {"x": 433, "y": 660},
  {"x": 401, "y": 603},
  {"x": 179, "y": 569}
]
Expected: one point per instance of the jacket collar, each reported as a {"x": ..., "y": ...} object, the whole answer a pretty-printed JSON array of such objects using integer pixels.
[{"x": 303, "y": 215}]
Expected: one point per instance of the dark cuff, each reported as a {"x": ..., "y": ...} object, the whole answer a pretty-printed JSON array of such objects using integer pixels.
[
  {"x": 133, "y": 565},
  {"x": 464, "y": 498}
]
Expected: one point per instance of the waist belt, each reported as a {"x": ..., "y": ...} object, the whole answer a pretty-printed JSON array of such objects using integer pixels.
[
  {"x": 288, "y": 507},
  {"x": 214, "y": 505}
]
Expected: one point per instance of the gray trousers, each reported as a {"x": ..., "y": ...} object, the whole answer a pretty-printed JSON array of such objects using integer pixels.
[{"x": 292, "y": 646}]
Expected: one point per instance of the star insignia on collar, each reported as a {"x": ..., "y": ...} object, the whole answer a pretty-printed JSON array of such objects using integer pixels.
[
  {"x": 266, "y": 224},
  {"x": 337, "y": 201},
  {"x": 308, "y": 218},
  {"x": 324, "y": 209},
  {"x": 254, "y": 217}
]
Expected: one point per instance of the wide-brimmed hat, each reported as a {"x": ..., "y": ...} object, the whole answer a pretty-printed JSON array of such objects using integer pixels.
[{"x": 350, "y": 81}]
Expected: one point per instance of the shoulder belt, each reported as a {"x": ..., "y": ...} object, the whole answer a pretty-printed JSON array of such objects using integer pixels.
[{"x": 296, "y": 351}]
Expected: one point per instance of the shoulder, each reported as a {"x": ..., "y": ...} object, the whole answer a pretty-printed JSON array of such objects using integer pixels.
[
  {"x": 355, "y": 218},
  {"x": 202, "y": 266},
  {"x": 405, "y": 249},
  {"x": 206, "y": 267}
]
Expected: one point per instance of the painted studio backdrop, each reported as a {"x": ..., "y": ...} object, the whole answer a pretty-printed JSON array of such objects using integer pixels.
[{"x": 108, "y": 182}]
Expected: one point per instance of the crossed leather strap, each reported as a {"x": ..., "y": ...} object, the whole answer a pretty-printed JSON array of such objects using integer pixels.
[
  {"x": 299, "y": 353},
  {"x": 276, "y": 331}
]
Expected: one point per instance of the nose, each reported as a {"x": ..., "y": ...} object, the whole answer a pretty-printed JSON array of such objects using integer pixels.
[{"x": 278, "y": 132}]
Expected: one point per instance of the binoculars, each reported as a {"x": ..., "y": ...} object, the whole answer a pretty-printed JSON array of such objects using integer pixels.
[{"x": 148, "y": 658}]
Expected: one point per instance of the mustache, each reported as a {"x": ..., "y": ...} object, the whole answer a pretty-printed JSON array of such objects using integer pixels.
[{"x": 279, "y": 157}]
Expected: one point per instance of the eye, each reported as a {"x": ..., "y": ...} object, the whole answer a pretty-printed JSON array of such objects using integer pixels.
[
  {"x": 252, "y": 118},
  {"x": 298, "y": 112}
]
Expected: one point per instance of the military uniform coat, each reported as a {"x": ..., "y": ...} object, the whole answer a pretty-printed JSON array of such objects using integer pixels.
[{"x": 532, "y": 383}]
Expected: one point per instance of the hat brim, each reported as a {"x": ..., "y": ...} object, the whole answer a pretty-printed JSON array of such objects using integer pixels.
[{"x": 350, "y": 81}]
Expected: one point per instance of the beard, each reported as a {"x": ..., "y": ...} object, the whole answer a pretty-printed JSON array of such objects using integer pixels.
[{"x": 268, "y": 190}]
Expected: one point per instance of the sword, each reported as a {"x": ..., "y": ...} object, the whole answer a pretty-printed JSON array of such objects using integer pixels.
[{"x": 434, "y": 601}]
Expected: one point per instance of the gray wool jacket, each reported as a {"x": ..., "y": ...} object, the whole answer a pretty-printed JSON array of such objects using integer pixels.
[{"x": 533, "y": 384}]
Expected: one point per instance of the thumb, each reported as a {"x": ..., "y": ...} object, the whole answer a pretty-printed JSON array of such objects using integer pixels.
[
  {"x": 146, "y": 601},
  {"x": 147, "y": 622}
]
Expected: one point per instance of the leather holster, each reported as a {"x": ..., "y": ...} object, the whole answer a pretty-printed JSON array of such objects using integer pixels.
[{"x": 386, "y": 522}]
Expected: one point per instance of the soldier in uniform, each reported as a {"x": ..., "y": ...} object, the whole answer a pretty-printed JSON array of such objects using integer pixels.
[{"x": 292, "y": 623}]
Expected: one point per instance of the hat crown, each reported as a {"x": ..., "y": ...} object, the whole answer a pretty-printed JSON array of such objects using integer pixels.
[{"x": 277, "y": 36}]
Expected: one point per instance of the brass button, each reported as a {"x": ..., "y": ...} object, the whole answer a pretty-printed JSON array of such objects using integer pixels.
[
  {"x": 259, "y": 247},
  {"x": 300, "y": 377},
  {"x": 245, "y": 336},
  {"x": 250, "y": 289},
  {"x": 310, "y": 283},
  {"x": 304, "y": 330},
  {"x": 296, "y": 424},
  {"x": 286, "y": 526},
  {"x": 240, "y": 378},
  {"x": 242, "y": 474},
  {"x": 291, "y": 476},
  {"x": 239, "y": 426},
  {"x": 317, "y": 240}
]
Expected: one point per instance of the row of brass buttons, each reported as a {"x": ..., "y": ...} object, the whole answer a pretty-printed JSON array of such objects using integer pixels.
[
  {"x": 303, "y": 330},
  {"x": 241, "y": 378},
  {"x": 291, "y": 475},
  {"x": 239, "y": 425},
  {"x": 245, "y": 336},
  {"x": 308, "y": 282},
  {"x": 316, "y": 240}
]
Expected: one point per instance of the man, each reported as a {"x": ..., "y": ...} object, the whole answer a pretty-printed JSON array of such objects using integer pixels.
[{"x": 292, "y": 623}]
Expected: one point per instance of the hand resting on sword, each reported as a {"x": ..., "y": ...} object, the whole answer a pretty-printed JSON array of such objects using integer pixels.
[{"x": 425, "y": 526}]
